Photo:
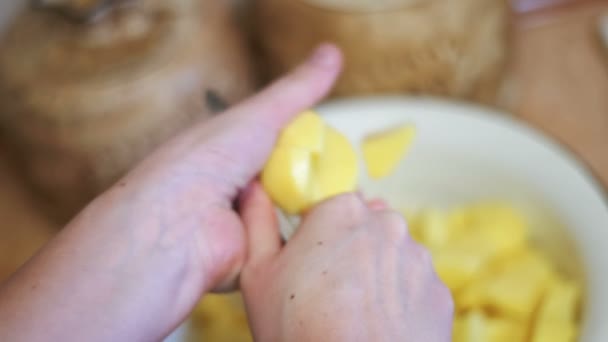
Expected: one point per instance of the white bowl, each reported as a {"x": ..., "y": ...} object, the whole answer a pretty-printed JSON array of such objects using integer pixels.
[{"x": 465, "y": 153}]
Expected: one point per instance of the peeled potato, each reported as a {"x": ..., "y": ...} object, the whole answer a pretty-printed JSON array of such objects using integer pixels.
[
  {"x": 476, "y": 326},
  {"x": 517, "y": 289},
  {"x": 504, "y": 289},
  {"x": 383, "y": 151},
  {"x": 220, "y": 318},
  {"x": 311, "y": 162},
  {"x": 458, "y": 262},
  {"x": 561, "y": 302},
  {"x": 556, "y": 321}
]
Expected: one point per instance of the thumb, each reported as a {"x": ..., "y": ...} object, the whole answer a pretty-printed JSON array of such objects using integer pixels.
[
  {"x": 246, "y": 134},
  {"x": 260, "y": 220}
]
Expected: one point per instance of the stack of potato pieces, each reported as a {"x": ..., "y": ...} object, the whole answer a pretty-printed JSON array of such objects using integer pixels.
[{"x": 504, "y": 288}]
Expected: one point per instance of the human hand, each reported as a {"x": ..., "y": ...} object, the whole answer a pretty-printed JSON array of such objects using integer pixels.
[
  {"x": 351, "y": 272},
  {"x": 134, "y": 263}
]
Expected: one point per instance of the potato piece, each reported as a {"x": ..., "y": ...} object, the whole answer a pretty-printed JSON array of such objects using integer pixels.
[
  {"x": 501, "y": 226},
  {"x": 556, "y": 319},
  {"x": 511, "y": 286},
  {"x": 287, "y": 178},
  {"x": 472, "y": 296},
  {"x": 383, "y": 151},
  {"x": 311, "y": 162},
  {"x": 561, "y": 301},
  {"x": 221, "y": 318},
  {"x": 555, "y": 332},
  {"x": 465, "y": 240},
  {"x": 335, "y": 168},
  {"x": 434, "y": 229},
  {"x": 498, "y": 280},
  {"x": 476, "y": 327},
  {"x": 458, "y": 262},
  {"x": 306, "y": 132},
  {"x": 516, "y": 290}
]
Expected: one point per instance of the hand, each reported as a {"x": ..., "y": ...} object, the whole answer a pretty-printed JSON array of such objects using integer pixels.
[
  {"x": 134, "y": 264},
  {"x": 350, "y": 273}
]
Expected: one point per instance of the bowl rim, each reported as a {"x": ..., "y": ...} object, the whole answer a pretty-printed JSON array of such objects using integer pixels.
[
  {"x": 592, "y": 327},
  {"x": 501, "y": 116}
]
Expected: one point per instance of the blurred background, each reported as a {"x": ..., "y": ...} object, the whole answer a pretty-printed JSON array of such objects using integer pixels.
[{"x": 68, "y": 131}]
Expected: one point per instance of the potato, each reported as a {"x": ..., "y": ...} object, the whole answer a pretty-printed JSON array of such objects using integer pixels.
[
  {"x": 516, "y": 289},
  {"x": 475, "y": 326},
  {"x": 499, "y": 225},
  {"x": 504, "y": 289},
  {"x": 556, "y": 319},
  {"x": 383, "y": 151},
  {"x": 462, "y": 259},
  {"x": 310, "y": 163},
  {"x": 220, "y": 318},
  {"x": 430, "y": 227},
  {"x": 555, "y": 332}
]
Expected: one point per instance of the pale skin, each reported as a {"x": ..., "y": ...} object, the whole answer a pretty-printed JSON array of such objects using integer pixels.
[{"x": 136, "y": 261}]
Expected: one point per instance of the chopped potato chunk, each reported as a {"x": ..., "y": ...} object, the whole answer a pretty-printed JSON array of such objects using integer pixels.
[{"x": 383, "y": 151}]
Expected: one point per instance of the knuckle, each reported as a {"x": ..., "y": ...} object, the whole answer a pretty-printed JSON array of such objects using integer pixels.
[
  {"x": 393, "y": 225},
  {"x": 348, "y": 209},
  {"x": 351, "y": 206},
  {"x": 350, "y": 200}
]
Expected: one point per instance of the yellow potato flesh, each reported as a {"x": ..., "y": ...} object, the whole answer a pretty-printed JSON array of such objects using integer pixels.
[
  {"x": 516, "y": 289},
  {"x": 287, "y": 178},
  {"x": 220, "y": 318},
  {"x": 383, "y": 151},
  {"x": 476, "y": 326},
  {"x": 504, "y": 289},
  {"x": 459, "y": 261},
  {"x": 556, "y": 319},
  {"x": 311, "y": 163},
  {"x": 307, "y": 131},
  {"x": 336, "y": 167}
]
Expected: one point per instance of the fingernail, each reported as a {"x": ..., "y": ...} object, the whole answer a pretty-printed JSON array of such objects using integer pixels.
[{"x": 325, "y": 56}]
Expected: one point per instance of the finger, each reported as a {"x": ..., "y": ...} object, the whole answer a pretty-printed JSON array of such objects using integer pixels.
[
  {"x": 334, "y": 218},
  {"x": 259, "y": 217},
  {"x": 247, "y": 133},
  {"x": 279, "y": 103}
]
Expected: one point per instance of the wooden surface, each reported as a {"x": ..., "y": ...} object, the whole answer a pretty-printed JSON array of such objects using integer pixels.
[
  {"x": 561, "y": 79},
  {"x": 560, "y": 85}
]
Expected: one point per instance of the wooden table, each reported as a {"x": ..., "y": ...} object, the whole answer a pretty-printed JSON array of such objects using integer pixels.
[
  {"x": 560, "y": 86},
  {"x": 561, "y": 79}
]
